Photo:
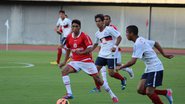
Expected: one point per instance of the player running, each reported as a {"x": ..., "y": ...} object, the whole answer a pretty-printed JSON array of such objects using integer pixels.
[
  {"x": 153, "y": 75},
  {"x": 107, "y": 22},
  {"x": 109, "y": 39},
  {"x": 63, "y": 28},
  {"x": 80, "y": 45}
]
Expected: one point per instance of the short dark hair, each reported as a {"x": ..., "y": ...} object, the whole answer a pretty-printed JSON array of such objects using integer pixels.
[
  {"x": 107, "y": 16},
  {"x": 132, "y": 29},
  {"x": 62, "y": 11},
  {"x": 77, "y": 22},
  {"x": 101, "y": 16}
]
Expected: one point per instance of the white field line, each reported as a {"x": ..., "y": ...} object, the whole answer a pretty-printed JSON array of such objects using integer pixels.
[{"x": 18, "y": 65}]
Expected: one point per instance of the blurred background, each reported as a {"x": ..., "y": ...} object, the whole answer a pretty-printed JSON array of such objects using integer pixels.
[{"x": 33, "y": 21}]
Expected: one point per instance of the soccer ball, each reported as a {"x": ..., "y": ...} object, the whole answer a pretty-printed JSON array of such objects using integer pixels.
[{"x": 62, "y": 101}]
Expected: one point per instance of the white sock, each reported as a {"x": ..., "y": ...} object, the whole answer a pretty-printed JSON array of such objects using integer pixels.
[
  {"x": 125, "y": 69},
  {"x": 107, "y": 88},
  {"x": 103, "y": 73},
  {"x": 66, "y": 81}
]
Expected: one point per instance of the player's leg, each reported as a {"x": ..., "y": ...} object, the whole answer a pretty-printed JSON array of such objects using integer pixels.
[
  {"x": 128, "y": 70},
  {"x": 100, "y": 62},
  {"x": 62, "y": 44},
  {"x": 59, "y": 53},
  {"x": 104, "y": 74},
  {"x": 154, "y": 79},
  {"x": 97, "y": 78},
  {"x": 112, "y": 73},
  {"x": 91, "y": 69},
  {"x": 150, "y": 92},
  {"x": 141, "y": 89},
  {"x": 167, "y": 92},
  {"x": 72, "y": 67}
]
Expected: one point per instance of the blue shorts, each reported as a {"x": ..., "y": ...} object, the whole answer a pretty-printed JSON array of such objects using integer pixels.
[
  {"x": 62, "y": 40},
  {"x": 153, "y": 79},
  {"x": 103, "y": 62}
]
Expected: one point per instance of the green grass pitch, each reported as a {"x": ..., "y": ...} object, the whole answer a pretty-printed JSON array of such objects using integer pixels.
[{"x": 42, "y": 83}]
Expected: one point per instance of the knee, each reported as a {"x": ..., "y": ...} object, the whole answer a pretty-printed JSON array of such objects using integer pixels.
[
  {"x": 64, "y": 72},
  {"x": 111, "y": 74},
  {"x": 148, "y": 92},
  {"x": 139, "y": 91}
]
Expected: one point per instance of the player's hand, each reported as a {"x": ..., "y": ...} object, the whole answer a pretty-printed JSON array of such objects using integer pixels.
[
  {"x": 78, "y": 52},
  {"x": 118, "y": 68},
  {"x": 62, "y": 64},
  {"x": 168, "y": 56},
  {"x": 58, "y": 32},
  {"x": 113, "y": 49}
]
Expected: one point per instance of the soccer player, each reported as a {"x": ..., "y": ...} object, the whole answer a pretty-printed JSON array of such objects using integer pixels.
[
  {"x": 80, "y": 45},
  {"x": 63, "y": 28},
  {"x": 153, "y": 75},
  {"x": 109, "y": 39},
  {"x": 107, "y": 22}
]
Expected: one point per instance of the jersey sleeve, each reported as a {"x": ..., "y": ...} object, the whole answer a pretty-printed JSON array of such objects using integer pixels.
[
  {"x": 138, "y": 51},
  {"x": 69, "y": 22},
  {"x": 113, "y": 32},
  {"x": 88, "y": 41},
  {"x": 96, "y": 41},
  {"x": 58, "y": 22},
  {"x": 151, "y": 43}
]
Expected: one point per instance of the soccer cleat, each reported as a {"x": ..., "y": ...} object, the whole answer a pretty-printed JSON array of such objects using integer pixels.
[
  {"x": 130, "y": 72},
  {"x": 123, "y": 83},
  {"x": 169, "y": 96},
  {"x": 68, "y": 96},
  {"x": 95, "y": 90},
  {"x": 115, "y": 100},
  {"x": 54, "y": 63}
]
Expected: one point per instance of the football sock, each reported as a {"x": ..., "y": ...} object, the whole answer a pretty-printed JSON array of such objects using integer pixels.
[
  {"x": 103, "y": 73},
  {"x": 59, "y": 54},
  {"x": 97, "y": 85},
  {"x": 118, "y": 76},
  {"x": 66, "y": 81},
  {"x": 155, "y": 98},
  {"x": 107, "y": 88},
  {"x": 161, "y": 92}
]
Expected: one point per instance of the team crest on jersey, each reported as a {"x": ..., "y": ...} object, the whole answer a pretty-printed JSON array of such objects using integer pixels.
[{"x": 75, "y": 45}]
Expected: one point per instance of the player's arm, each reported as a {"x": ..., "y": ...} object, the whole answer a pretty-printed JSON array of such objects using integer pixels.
[
  {"x": 119, "y": 38},
  {"x": 94, "y": 46},
  {"x": 68, "y": 51},
  {"x": 116, "y": 34},
  {"x": 86, "y": 51},
  {"x": 88, "y": 44},
  {"x": 58, "y": 30},
  {"x": 66, "y": 58},
  {"x": 158, "y": 47},
  {"x": 128, "y": 64}
]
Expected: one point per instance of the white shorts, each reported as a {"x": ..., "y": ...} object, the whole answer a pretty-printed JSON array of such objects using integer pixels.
[{"x": 87, "y": 67}]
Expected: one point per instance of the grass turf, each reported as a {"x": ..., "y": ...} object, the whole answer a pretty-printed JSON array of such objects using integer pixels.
[{"x": 42, "y": 83}]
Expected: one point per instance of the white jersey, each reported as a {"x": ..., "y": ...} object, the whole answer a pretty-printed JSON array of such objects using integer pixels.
[
  {"x": 143, "y": 49},
  {"x": 107, "y": 39},
  {"x": 66, "y": 26}
]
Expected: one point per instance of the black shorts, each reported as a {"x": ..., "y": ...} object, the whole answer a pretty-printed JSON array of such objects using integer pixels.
[
  {"x": 103, "y": 62},
  {"x": 62, "y": 40},
  {"x": 153, "y": 79}
]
